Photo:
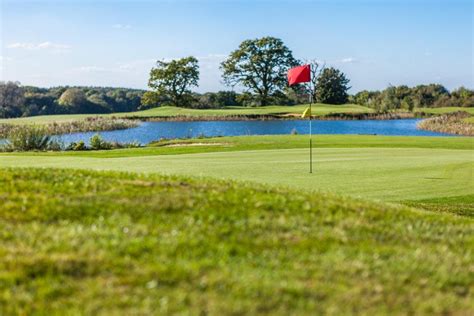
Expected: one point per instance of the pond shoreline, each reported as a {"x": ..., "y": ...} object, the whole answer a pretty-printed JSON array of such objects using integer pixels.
[{"x": 279, "y": 117}]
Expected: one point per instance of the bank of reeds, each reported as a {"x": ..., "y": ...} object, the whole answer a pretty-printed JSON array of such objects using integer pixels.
[
  {"x": 29, "y": 138},
  {"x": 452, "y": 123},
  {"x": 90, "y": 124},
  {"x": 268, "y": 117},
  {"x": 37, "y": 138}
]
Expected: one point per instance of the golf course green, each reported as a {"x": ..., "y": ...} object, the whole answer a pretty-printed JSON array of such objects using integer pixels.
[{"x": 378, "y": 169}]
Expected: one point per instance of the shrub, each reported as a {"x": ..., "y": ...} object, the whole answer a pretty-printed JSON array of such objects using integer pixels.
[
  {"x": 97, "y": 143},
  {"x": 29, "y": 138}
]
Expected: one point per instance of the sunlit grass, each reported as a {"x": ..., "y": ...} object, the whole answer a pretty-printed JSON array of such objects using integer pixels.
[{"x": 81, "y": 242}]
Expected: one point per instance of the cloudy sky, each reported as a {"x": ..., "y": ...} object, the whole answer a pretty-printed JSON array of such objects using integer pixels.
[{"x": 115, "y": 43}]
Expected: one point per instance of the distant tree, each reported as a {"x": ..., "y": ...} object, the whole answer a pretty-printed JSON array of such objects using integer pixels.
[
  {"x": 332, "y": 87},
  {"x": 426, "y": 95},
  {"x": 150, "y": 99},
  {"x": 463, "y": 97},
  {"x": 12, "y": 99},
  {"x": 73, "y": 100},
  {"x": 172, "y": 80},
  {"x": 259, "y": 65}
]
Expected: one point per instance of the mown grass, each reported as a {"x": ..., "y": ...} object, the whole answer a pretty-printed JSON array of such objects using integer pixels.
[
  {"x": 266, "y": 142},
  {"x": 82, "y": 242},
  {"x": 169, "y": 111},
  {"x": 445, "y": 110},
  {"x": 380, "y": 173}
]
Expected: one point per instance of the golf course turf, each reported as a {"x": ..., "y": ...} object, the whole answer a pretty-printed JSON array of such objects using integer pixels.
[
  {"x": 237, "y": 225},
  {"x": 172, "y": 111},
  {"x": 100, "y": 243}
]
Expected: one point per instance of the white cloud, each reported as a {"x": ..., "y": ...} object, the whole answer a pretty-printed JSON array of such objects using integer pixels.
[
  {"x": 89, "y": 69},
  {"x": 122, "y": 26},
  {"x": 348, "y": 60},
  {"x": 44, "y": 45}
]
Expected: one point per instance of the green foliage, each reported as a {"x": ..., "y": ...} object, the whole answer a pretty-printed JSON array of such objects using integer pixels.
[
  {"x": 172, "y": 81},
  {"x": 97, "y": 143},
  {"x": 29, "y": 138},
  {"x": 78, "y": 146},
  {"x": 410, "y": 99},
  {"x": 331, "y": 87},
  {"x": 73, "y": 100},
  {"x": 259, "y": 65},
  {"x": 82, "y": 242},
  {"x": 12, "y": 98},
  {"x": 16, "y": 100}
]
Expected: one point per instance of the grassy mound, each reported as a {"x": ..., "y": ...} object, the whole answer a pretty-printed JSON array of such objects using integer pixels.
[{"x": 103, "y": 242}]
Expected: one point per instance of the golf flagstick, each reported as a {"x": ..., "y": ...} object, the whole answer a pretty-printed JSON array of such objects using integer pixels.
[
  {"x": 310, "y": 130},
  {"x": 301, "y": 74}
]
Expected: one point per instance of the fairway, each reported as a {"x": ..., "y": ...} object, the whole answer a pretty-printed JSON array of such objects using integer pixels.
[
  {"x": 170, "y": 111},
  {"x": 389, "y": 174}
]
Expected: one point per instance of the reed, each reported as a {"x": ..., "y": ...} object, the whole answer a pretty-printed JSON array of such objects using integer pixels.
[
  {"x": 453, "y": 123},
  {"x": 29, "y": 138},
  {"x": 90, "y": 124}
]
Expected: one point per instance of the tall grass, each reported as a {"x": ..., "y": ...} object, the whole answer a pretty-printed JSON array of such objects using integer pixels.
[
  {"x": 452, "y": 123},
  {"x": 29, "y": 138},
  {"x": 90, "y": 124}
]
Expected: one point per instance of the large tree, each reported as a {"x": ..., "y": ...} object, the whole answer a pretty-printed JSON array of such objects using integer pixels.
[
  {"x": 73, "y": 100},
  {"x": 12, "y": 99},
  {"x": 260, "y": 65},
  {"x": 331, "y": 87},
  {"x": 172, "y": 80}
]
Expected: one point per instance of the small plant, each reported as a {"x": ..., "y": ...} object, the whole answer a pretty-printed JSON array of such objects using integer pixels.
[
  {"x": 97, "y": 143},
  {"x": 79, "y": 146}
]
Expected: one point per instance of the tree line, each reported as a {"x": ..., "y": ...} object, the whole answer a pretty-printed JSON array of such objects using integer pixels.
[
  {"x": 17, "y": 100},
  {"x": 409, "y": 98},
  {"x": 257, "y": 66}
]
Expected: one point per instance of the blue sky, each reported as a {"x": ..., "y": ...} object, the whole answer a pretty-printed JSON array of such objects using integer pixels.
[{"x": 115, "y": 43}]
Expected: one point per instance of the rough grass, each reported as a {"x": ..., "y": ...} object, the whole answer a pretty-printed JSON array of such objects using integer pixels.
[
  {"x": 168, "y": 111},
  {"x": 82, "y": 242},
  {"x": 453, "y": 123}
]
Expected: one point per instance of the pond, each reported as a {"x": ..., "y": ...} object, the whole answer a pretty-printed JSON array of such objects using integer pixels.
[{"x": 151, "y": 131}]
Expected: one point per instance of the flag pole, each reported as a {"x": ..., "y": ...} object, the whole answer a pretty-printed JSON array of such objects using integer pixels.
[{"x": 310, "y": 130}]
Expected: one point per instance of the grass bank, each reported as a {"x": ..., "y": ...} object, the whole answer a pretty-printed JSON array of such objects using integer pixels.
[
  {"x": 75, "y": 242},
  {"x": 459, "y": 123},
  {"x": 86, "y": 124}
]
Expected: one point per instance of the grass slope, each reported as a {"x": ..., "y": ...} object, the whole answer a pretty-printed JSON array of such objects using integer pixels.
[
  {"x": 444, "y": 110},
  {"x": 365, "y": 166},
  {"x": 81, "y": 242},
  {"x": 168, "y": 111}
]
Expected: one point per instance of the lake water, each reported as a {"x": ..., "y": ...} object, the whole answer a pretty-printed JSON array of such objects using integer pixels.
[{"x": 151, "y": 131}]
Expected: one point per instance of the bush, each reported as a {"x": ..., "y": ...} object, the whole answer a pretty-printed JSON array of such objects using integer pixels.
[
  {"x": 79, "y": 146},
  {"x": 29, "y": 138},
  {"x": 97, "y": 143}
]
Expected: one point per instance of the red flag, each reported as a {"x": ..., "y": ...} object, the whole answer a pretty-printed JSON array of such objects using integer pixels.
[{"x": 299, "y": 74}]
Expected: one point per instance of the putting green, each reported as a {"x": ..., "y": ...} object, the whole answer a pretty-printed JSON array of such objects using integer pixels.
[{"x": 388, "y": 174}]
